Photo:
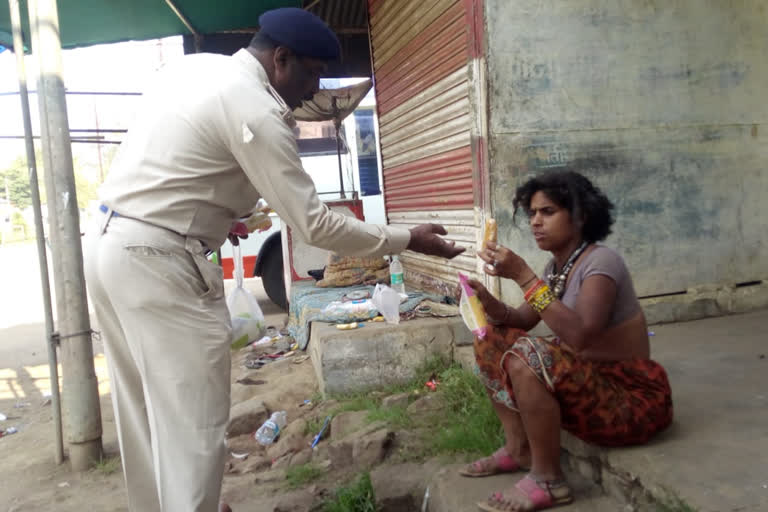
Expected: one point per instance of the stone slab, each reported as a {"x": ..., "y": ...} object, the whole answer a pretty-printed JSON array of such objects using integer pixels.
[
  {"x": 380, "y": 355},
  {"x": 451, "y": 492}
]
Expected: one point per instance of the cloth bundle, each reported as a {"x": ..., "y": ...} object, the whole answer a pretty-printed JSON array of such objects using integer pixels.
[{"x": 350, "y": 271}]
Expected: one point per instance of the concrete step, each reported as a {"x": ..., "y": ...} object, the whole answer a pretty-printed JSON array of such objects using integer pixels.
[
  {"x": 379, "y": 355},
  {"x": 451, "y": 492},
  {"x": 713, "y": 457}
]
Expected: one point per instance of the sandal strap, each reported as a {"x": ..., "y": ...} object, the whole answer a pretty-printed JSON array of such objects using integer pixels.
[
  {"x": 500, "y": 458},
  {"x": 504, "y": 461},
  {"x": 541, "y": 498}
]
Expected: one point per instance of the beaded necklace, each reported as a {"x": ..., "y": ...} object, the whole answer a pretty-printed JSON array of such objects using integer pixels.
[{"x": 557, "y": 280}]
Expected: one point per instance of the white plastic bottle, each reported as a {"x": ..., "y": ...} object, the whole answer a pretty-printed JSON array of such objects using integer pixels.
[
  {"x": 396, "y": 275},
  {"x": 271, "y": 428}
]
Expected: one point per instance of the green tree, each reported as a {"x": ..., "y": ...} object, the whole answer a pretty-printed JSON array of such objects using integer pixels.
[
  {"x": 16, "y": 176},
  {"x": 15, "y": 180}
]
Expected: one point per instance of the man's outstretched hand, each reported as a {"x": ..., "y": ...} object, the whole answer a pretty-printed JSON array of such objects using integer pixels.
[{"x": 425, "y": 239}]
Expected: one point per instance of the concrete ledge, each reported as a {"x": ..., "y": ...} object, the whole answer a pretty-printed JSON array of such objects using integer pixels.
[
  {"x": 705, "y": 302},
  {"x": 379, "y": 355},
  {"x": 713, "y": 456}
]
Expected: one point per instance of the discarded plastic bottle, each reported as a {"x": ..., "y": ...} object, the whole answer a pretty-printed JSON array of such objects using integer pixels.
[
  {"x": 271, "y": 428},
  {"x": 396, "y": 275}
]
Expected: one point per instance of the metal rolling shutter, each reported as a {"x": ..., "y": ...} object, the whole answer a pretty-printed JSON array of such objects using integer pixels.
[{"x": 420, "y": 60}]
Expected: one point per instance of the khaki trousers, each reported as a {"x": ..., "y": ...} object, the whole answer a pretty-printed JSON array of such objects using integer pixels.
[{"x": 166, "y": 329}]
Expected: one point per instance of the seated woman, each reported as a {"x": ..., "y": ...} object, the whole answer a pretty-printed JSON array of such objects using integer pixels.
[{"x": 594, "y": 378}]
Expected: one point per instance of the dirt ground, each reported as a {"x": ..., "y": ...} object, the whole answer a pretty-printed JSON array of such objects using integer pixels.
[
  {"x": 30, "y": 478},
  {"x": 32, "y": 481}
]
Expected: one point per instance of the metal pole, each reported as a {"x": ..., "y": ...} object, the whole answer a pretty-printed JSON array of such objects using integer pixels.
[
  {"x": 338, "y": 155},
  {"x": 53, "y": 369},
  {"x": 98, "y": 146},
  {"x": 80, "y": 395},
  {"x": 198, "y": 37}
]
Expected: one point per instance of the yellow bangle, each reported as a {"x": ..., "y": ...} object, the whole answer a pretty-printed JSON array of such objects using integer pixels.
[
  {"x": 541, "y": 290},
  {"x": 542, "y": 298}
]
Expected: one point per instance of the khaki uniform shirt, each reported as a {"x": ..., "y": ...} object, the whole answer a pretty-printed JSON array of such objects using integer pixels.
[{"x": 211, "y": 138}]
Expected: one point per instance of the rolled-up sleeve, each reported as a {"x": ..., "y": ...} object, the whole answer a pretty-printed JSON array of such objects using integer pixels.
[{"x": 268, "y": 154}]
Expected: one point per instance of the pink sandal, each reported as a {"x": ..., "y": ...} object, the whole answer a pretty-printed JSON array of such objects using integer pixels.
[
  {"x": 500, "y": 462},
  {"x": 554, "y": 494}
]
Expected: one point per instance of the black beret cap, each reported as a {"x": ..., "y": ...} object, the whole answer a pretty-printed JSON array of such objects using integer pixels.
[{"x": 301, "y": 31}]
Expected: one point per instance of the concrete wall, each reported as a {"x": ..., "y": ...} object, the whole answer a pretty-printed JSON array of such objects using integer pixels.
[{"x": 663, "y": 104}]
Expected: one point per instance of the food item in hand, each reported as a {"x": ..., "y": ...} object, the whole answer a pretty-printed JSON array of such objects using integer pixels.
[
  {"x": 491, "y": 232},
  {"x": 472, "y": 311},
  {"x": 258, "y": 221}
]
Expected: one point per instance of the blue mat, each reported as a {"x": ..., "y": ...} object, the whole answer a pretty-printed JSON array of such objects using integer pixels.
[{"x": 308, "y": 301}]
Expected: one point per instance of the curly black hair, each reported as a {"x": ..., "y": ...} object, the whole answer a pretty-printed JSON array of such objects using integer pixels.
[{"x": 575, "y": 193}]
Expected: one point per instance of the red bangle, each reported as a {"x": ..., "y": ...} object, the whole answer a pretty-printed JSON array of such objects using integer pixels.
[{"x": 533, "y": 288}]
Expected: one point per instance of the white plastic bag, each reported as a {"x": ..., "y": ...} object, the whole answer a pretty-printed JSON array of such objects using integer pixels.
[
  {"x": 247, "y": 318},
  {"x": 387, "y": 301}
]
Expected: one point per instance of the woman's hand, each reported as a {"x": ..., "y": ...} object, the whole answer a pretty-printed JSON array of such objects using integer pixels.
[
  {"x": 505, "y": 263},
  {"x": 495, "y": 310}
]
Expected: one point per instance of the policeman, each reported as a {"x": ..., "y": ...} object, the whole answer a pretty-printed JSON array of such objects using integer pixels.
[{"x": 213, "y": 136}]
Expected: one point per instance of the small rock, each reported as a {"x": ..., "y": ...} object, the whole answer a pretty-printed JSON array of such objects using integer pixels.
[
  {"x": 282, "y": 462},
  {"x": 291, "y": 440},
  {"x": 346, "y": 423},
  {"x": 372, "y": 448},
  {"x": 301, "y": 457},
  {"x": 273, "y": 475},
  {"x": 321, "y": 452},
  {"x": 340, "y": 453},
  {"x": 427, "y": 403},
  {"x": 244, "y": 444},
  {"x": 396, "y": 488},
  {"x": 399, "y": 400},
  {"x": 296, "y": 501},
  {"x": 256, "y": 464},
  {"x": 247, "y": 417},
  {"x": 369, "y": 429}
]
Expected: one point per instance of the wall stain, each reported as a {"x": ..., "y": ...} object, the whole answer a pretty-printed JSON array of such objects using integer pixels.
[
  {"x": 709, "y": 134},
  {"x": 724, "y": 74},
  {"x": 663, "y": 199}
]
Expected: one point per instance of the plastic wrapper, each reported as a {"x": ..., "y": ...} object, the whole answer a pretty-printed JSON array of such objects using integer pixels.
[
  {"x": 338, "y": 311},
  {"x": 471, "y": 309},
  {"x": 491, "y": 232}
]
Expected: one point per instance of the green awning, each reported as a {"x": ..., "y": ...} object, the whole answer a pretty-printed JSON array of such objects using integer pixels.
[{"x": 88, "y": 22}]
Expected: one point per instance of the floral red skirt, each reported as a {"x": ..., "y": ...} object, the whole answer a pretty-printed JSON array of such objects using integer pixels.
[{"x": 611, "y": 403}]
